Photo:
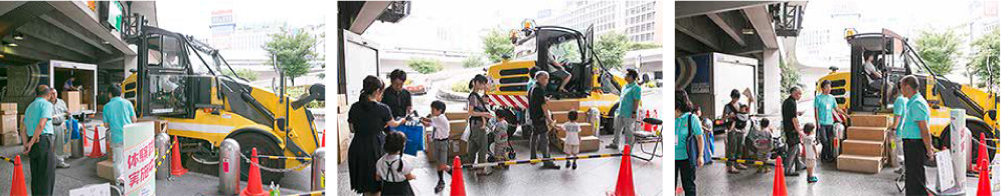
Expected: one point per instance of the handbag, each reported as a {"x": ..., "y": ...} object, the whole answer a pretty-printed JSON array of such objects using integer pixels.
[{"x": 692, "y": 148}]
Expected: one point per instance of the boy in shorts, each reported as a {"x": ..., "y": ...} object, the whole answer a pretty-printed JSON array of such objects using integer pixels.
[{"x": 439, "y": 137}]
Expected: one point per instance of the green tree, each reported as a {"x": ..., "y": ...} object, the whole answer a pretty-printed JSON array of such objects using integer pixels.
[
  {"x": 294, "y": 49},
  {"x": 611, "y": 47},
  {"x": 642, "y": 46},
  {"x": 472, "y": 61},
  {"x": 790, "y": 77},
  {"x": 425, "y": 66},
  {"x": 984, "y": 64},
  {"x": 248, "y": 74},
  {"x": 938, "y": 50},
  {"x": 496, "y": 44}
]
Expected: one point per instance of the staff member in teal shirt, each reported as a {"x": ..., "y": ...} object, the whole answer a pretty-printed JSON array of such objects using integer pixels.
[
  {"x": 917, "y": 140},
  {"x": 117, "y": 113},
  {"x": 625, "y": 119},
  {"x": 826, "y": 106},
  {"x": 686, "y": 124},
  {"x": 899, "y": 109},
  {"x": 39, "y": 136}
]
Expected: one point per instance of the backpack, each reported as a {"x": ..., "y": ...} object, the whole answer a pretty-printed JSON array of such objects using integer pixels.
[{"x": 692, "y": 148}]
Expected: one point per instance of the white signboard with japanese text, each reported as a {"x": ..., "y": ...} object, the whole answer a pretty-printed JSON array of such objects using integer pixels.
[{"x": 140, "y": 159}]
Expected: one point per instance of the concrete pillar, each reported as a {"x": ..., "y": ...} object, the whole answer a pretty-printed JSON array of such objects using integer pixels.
[
  {"x": 131, "y": 62},
  {"x": 773, "y": 77}
]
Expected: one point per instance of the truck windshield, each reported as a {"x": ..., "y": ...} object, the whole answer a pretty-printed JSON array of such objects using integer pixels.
[
  {"x": 567, "y": 51},
  {"x": 198, "y": 67}
]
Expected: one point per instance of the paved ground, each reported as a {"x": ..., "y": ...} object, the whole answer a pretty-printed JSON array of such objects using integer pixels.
[
  {"x": 592, "y": 177},
  {"x": 713, "y": 180},
  {"x": 203, "y": 180}
]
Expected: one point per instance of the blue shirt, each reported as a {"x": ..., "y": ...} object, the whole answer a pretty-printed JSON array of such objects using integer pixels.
[
  {"x": 628, "y": 99},
  {"x": 681, "y": 131},
  {"x": 917, "y": 110},
  {"x": 899, "y": 109},
  {"x": 37, "y": 110},
  {"x": 825, "y": 109},
  {"x": 118, "y": 112}
]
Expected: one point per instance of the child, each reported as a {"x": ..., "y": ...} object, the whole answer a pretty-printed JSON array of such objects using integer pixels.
[
  {"x": 439, "y": 138},
  {"x": 500, "y": 147},
  {"x": 572, "y": 145},
  {"x": 811, "y": 152},
  {"x": 392, "y": 169},
  {"x": 761, "y": 142}
]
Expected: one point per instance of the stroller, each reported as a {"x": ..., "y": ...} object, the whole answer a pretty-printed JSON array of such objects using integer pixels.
[{"x": 500, "y": 147}]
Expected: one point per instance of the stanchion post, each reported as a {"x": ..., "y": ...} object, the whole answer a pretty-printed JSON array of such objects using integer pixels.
[
  {"x": 960, "y": 140},
  {"x": 229, "y": 167},
  {"x": 162, "y": 151},
  {"x": 317, "y": 177}
]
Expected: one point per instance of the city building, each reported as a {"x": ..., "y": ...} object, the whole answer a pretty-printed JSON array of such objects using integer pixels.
[{"x": 640, "y": 21}]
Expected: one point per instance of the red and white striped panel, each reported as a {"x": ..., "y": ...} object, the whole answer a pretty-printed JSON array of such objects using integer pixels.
[{"x": 517, "y": 101}]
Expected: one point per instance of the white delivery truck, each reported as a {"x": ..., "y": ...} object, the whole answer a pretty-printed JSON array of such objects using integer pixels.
[{"x": 709, "y": 78}]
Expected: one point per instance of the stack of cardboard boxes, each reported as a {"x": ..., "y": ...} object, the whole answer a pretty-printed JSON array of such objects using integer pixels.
[
  {"x": 457, "y": 124},
  {"x": 343, "y": 133},
  {"x": 8, "y": 124},
  {"x": 73, "y": 100},
  {"x": 589, "y": 141}
]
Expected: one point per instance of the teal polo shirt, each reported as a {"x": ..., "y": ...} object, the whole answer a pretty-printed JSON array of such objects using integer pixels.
[
  {"x": 899, "y": 109},
  {"x": 917, "y": 110},
  {"x": 118, "y": 112},
  {"x": 628, "y": 99},
  {"x": 825, "y": 104},
  {"x": 681, "y": 131},
  {"x": 37, "y": 110}
]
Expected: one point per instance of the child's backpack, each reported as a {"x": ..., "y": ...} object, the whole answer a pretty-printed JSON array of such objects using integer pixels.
[{"x": 760, "y": 139}]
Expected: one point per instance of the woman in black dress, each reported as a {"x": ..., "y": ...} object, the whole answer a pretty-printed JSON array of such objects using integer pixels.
[{"x": 368, "y": 119}]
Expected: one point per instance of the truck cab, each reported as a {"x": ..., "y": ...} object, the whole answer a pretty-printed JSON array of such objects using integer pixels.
[
  {"x": 181, "y": 81},
  {"x": 544, "y": 48},
  {"x": 894, "y": 58}
]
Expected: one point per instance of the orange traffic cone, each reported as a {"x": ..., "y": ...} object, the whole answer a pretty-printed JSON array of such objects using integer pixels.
[
  {"x": 83, "y": 135},
  {"x": 984, "y": 186},
  {"x": 95, "y": 150},
  {"x": 254, "y": 177},
  {"x": 646, "y": 126},
  {"x": 779, "y": 188},
  {"x": 17, "y": 186},
  {"x": 982, "y": 152},
  {"x": 176, "y": 168},
  {"x": 324, "y": 143},
  {"x": 458, "y": 186},
  {"x": 624, "y": 185}
]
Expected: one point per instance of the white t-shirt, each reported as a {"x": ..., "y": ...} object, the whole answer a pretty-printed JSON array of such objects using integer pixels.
[
  {"x": 387, "y": 167},
  {"x": 573, "y": 133},
  {"x": 440, "y": 127},
  {"x": 811, "y": 147}
]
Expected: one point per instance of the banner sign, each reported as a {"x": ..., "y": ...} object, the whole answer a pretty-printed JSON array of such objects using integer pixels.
[{"x": 140, "y": 159}]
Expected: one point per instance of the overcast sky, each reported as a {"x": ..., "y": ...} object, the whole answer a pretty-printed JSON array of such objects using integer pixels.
[{"x": 194, "y": 17}]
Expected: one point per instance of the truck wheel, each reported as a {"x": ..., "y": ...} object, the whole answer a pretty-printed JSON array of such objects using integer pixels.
[
  {"x": 265, "y": 146},
  {"x": 608, "y": 121}
]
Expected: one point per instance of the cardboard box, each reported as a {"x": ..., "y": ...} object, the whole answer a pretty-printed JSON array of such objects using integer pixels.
[
  {"x": 5, "y": 107},
  {"x": 342, "y": 99},
  {"x": 458, "y": 148},
  {"x": 72, "y": 99},
  {"x": 10, "y": 139},
  {"x": 585, "y": 130},
  {"x": 456, "y": 127},
  {"x": 456, "y": 115},
  {"x": 159, "y": 126},
  {"x": 564, "y": 105},
  {"x": 106, "y": 170},
  {"x": 8, "y": 124},
  {"x": 343, "y": 129}
]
